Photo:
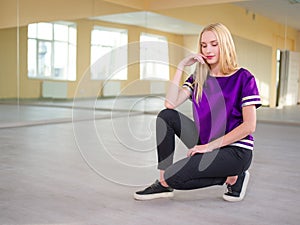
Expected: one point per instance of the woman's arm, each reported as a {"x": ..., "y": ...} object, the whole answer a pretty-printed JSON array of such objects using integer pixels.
[
  {"x": 176, "y": 95},
  {"x": 247, "y": 127}
]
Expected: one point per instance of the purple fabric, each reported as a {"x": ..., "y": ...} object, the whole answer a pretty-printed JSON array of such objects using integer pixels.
[{"x": 220, "y": 108}]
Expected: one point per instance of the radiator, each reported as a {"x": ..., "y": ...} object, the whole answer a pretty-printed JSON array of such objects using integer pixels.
[
  {"x": 52, "y": 89},
  {"x": 158, "y": 87},
  {"x": 112, "y": 88}
]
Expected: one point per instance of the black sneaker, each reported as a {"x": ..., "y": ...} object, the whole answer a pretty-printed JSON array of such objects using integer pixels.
[
  {"x": 237, "y": 191},
  {"x": 154, "y": 191}
]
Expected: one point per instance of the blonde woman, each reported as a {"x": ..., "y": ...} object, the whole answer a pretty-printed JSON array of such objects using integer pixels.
[{"x": 219, "y": 139}]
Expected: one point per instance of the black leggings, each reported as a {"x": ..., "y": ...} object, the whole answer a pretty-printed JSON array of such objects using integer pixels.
[{"x": 200, "y": 170}]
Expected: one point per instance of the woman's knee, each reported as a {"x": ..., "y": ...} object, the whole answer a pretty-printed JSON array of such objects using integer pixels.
[
  {"x": 167, "y": 113},
  {"x": 181, "y": 183},
  {"x": 166, "y": 118}
]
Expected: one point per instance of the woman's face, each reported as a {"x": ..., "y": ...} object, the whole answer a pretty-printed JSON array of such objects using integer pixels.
[{"x": 210, "y": 47}]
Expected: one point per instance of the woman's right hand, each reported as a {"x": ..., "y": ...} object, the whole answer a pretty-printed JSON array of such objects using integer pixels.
[{"x": 191, "y": 59}]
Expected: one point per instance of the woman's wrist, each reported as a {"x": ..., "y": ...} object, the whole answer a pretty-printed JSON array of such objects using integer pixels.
[
  {"x": 209, "y": 147},
  {"x": 213, "y": 145},
  {"x": 180, "y": 67}
]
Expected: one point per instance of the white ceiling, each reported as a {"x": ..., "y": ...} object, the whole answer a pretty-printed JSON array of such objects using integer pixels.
[
  {"x": 281, "y": 11},
  {"x": 152, "y": 20}
]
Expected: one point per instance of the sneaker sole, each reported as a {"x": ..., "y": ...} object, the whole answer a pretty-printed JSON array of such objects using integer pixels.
[
  {"x": 243, "y": 192},
  {"x": 153, "y": 196}
]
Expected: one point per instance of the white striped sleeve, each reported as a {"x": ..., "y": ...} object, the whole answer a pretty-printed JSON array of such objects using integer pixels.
[{"x": 251, "y": 100}]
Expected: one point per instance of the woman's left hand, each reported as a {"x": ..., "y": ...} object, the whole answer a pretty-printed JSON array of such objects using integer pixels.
[{"x": 198, "y": 149}]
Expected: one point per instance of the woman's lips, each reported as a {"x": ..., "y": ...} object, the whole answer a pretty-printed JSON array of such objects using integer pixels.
[{"x": 209, "y": 57}]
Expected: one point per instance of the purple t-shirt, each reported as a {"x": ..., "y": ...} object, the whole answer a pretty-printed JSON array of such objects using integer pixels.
[{"x": 220, "y": 108}]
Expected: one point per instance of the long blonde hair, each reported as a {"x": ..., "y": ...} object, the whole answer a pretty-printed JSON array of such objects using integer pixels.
[{"x": 227, "y": 59}]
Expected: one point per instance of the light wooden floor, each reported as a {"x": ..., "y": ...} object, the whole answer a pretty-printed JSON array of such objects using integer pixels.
[{"x": 58, "y": 165}]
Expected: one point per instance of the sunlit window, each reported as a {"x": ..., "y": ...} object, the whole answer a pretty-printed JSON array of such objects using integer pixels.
[
  {"x": 52, "y": 50},
  {"x": 109, "y": 53},
  {"x": 154, "y": 57}
]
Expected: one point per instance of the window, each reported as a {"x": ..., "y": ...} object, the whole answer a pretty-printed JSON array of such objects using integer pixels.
[
  {"x": 52, "y": 51},
  {"x": 154, "y": 57},
  {"x": 109, "y": 55}
]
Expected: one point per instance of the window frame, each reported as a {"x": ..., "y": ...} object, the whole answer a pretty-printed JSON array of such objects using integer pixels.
[
  {"x": 68, "y": 42},
  {"x": 120, "y": 47},
  {"x": 158, "y": 38}
]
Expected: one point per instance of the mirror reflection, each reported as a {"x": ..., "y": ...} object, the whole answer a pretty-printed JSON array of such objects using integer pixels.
[{"x": 47, "y": 48}]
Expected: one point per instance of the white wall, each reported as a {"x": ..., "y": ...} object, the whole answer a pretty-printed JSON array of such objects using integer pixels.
[{"x": 257, "y": 58}]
